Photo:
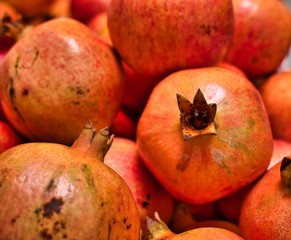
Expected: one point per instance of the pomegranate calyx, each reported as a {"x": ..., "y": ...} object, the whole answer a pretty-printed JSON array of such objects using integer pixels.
[
  {"x": 198, "y": 117},
  {"x": 11, "y": 28},
  {"x": 157, "y": 229},
  {"x": 92, "y": 143},
  {"x": 285, "y": 170}
]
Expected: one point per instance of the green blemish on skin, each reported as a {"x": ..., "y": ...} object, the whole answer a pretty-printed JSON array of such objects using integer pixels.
[
  {"x": 219, "y": 159},
  {"x": 88, "y": 175}
]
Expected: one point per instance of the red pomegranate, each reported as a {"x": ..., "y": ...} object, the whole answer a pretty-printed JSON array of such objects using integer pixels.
[
  {"x": 262, "y": 36},
  {"x": 73, "y": 80},
  {"x": 156, "y": 38},
  {"x": 266, "y": 210},
  {"x": 158, "y": 230},
  {"x": 205, "y": 149},
  {"x": 277, "y": 100},
  {"x": 149, "y": 195},
  {"x": 52, "y": 191}
]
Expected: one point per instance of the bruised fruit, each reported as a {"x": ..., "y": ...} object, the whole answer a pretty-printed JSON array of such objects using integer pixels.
[
  {"x": 149, "y": 195},
  {"x": 52, "y": 191},
  {"x": 156, "y": 38},
  {"x": 57, "y": 76},
  {"x": 204, "y": 149},
  {"x": 266, "y": 210}
]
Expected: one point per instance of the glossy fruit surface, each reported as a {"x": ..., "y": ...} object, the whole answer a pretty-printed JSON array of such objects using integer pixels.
[
  {"x": 53, "y": 81},
  {"x": 156, "y": 38},
  {"x": 204, "y": 164},
  {"x": 52, "y": 191}
]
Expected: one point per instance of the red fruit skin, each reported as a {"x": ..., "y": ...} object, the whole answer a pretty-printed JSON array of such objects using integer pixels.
[
  {"x": 266, "y": 210},
  {"x": 277, "y": 100},
  {"x": 84, "y": 10},
  {"x": 73, "y": 81},
  {"x": 149, "y": 195},
  {"x": 124, "y": 126},
  {"x": 156, "y": 38},
  {"x": 261, "y": 37},
  {"x": 237, "y": 155},
  {"x": 8, "y": 137},
  {"x": 137, "y": 92}
]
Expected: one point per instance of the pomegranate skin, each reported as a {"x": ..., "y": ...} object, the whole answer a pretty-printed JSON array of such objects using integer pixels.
[
  {"x": 52, "y": 81},
  {"x": 266, "y": 210},
  {"x": 156, "y": 38},
  {"x": 52, "y": 191},
  {"x": 149, "y": 195},
  {"x": 261, "y": 38},
  {"x": 206, "y": 167},
  {"x": 276, "y": 96}
]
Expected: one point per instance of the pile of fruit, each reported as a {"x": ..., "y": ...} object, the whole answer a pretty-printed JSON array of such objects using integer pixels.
[{"x": 145, "y": 120}]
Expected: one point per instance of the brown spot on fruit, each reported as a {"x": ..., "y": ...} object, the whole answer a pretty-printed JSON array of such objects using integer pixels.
[{"x": 54, "y": 206}]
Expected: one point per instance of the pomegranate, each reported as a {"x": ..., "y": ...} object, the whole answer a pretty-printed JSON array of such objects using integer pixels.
[
  {"x": 73, "y": 80},
  {"x": 277, "y": 100},
  {"x": 262, "y": 36},
  {"x": 266, "y": 210},
  {"x": 52, "y": 191},
  {"x": 157, "y": 229},
  {"x": 8, "y": 137},
  {"x": 84, "y": 10},
  {"x": 138, "y": 86},
  {"x": 156, "y": 38},
  {"x": 149, "y": 195},
  {"x": 203, "y": 150}
]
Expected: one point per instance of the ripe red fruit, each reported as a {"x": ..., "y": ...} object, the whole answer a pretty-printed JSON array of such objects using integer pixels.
[
  {"x": 262, "y": 36},
  {"x": 277, "y": 100},
  {"x": 149, "y": 195},
  {"x": 52, "y": 191},
  {"x": 266, "y": 210},
  {"x": 198, "y": 154},
  {"x": 73, "y": 80},
  {"x": 156, "y": 38}
]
